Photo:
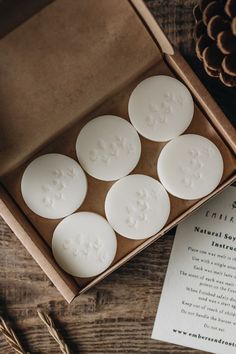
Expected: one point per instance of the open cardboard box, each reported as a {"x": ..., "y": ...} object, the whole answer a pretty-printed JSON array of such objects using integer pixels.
[{"x": 71, "y": 62}]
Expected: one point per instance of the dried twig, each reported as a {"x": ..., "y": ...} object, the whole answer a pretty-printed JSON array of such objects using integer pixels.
[
  {"x": 11, "y": 337},
  {"x": 53, "y": 331}
]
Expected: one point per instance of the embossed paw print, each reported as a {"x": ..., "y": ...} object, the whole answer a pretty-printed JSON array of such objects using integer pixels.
[
  {"x": 193, "y": 170},
  {"x": 142, "y": 205},
  {"x": 105, "y": 158},
  {"x": 162, "y": 119},
  {"x": 138, "y": 210},
  {"x": 169, "y": 97},
  {"x": 71, "y": 172},
  {"x": 103, "y": 257},
  {"x": 79, "y": 238},
  {"x": 155, "y": 194},
  {"x": 66, "y": 244},
  {"x": 196, "y": 163},
  {"x": 75, "y": 252},
  {"x": 120, "y": 141},
  {"x": 194, "y": 153},
  {"x": 87, "y": 247},
  {"x": 93, "y": 155},
  {"x": 99, "y": 153},
  {"x": 131, "y": 221},
  {"x": 197, "y": 175},
  {"x": 101, "y": 144},
  {"x": 61, "y": 185},
  {"x": 130, "y": 148},
  {"x": 46, "y": 187},
  {"x": 123, "y": 142},
  {"x": 59, "y": 196},
  {"x": 158, "y": 114},
  {"x": 166, "y": 108},
  {"x": 85, "y": 251},
  {"x": 208, "y": 152},
  {"x": 53, "y": 190},
  {"x": 173, "y": 98},
  {"x": 154, "y": 108},
  {"x": 114, "y": 150},
  {"x": 142, "y": 193},
  {"x": 143, "y": 217},
  {"x": 151, "y": 121},
  {"x": 105, "y": 151},
  {"x": 131, "y": 209},
  {"x": 58, "y": 173},
  {"x": 97, "y": 244},
  {"x": 58, "y": 184},
  {"x": 48, "y": 202},
  {"x": 188, "y": 181}
]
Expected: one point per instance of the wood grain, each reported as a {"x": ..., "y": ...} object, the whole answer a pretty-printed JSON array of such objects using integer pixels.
[{"x": 117, "y": 315}]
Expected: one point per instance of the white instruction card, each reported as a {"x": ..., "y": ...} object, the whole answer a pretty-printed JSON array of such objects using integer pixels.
[{"x": 197, "y": 308}]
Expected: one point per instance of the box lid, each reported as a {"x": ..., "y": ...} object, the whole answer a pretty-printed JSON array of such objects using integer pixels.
[{"x": 56, "y": 68}]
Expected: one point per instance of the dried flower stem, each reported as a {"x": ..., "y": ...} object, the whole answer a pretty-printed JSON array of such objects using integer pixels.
[
  {"x": 46, "y": 319},
  {"x": 11, "y": 337}
]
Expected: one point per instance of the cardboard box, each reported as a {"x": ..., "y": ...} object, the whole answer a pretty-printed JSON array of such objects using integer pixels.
[{"x": 69, "y": 63}]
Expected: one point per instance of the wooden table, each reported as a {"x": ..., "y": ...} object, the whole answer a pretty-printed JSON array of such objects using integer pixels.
[{"x": 117, "y": 315}]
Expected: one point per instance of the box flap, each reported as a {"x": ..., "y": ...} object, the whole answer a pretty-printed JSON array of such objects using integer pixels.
[{"x": 60, "y": 64}]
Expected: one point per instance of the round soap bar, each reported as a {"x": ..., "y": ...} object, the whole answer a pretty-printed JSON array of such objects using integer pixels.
[
  {"x": 108, "y": 148},
  {"x": 137, "y": 206},
  {"x": 84, "y": 244},
  {"x": 190, "y": 166},
  {"x": 53, "y": 186},
  {"x": 161, "y": 108}
]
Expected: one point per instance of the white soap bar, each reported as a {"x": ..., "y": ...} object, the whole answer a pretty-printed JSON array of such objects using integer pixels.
[
  {"x": 161, "y": 108},
  {"x": 84, "y": 244},
  {"x": 53, "y": 186},
  {"x": 190, "y": 166},
  {"x": 108, "y": 148},
  {"x": 137, "y": 206}
]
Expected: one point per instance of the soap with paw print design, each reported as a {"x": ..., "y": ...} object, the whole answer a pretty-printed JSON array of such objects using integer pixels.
[
  {"x": 108, "y": 147},
  {"x": 53, "y": 186},
  {"x": 190, "y": 166},
  {"x": 161, "y": 108},
  {"x": 84, "y": 244},
  {"x": 137, "y": 206}
]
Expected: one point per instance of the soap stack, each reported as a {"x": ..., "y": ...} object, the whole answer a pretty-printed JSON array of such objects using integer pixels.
[{"x": 108, "y": 148}]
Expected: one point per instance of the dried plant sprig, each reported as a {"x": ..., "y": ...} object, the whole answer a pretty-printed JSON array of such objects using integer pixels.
[
  {"x": 11, "y": 337},
  {"x": 46, "y": 319}
]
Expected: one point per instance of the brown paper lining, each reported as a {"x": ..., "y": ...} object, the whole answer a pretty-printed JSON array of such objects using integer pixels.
[{"x": 97, "y": 189}]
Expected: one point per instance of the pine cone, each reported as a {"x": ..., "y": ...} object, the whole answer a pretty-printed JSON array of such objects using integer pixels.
[{"x": 215, "y": 36}]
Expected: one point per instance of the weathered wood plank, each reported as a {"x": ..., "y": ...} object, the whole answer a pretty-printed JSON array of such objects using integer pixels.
[{"x": 115, "y": 317}]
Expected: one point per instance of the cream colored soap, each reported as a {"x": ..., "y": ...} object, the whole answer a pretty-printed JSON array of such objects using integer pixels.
[
  {"x": 53, "y": 186},
  {"x": 190, "y": 166},
  {"x": 137, "y": 206},
  {"x": 108, "y": 148},
  {"x": 84, "y": 244},
  {"x": 161, "y": 108}
]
